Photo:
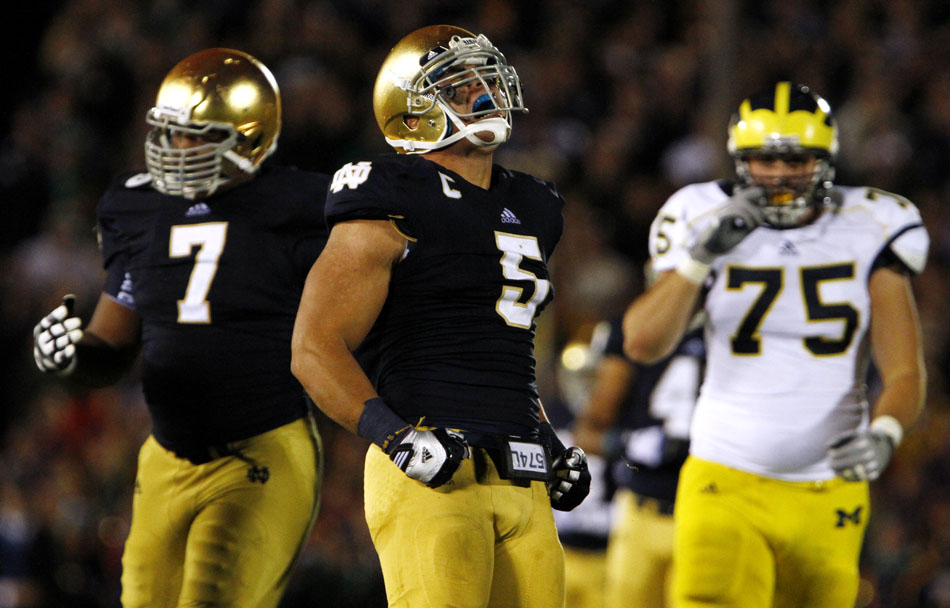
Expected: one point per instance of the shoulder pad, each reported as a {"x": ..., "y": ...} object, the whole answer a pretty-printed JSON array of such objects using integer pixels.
[
  {"x": 900, "y": 220},
  {"x": 911, "y": 246},
  {"x": 892, "y": 211},
  {"x": 373, "y": 189}
]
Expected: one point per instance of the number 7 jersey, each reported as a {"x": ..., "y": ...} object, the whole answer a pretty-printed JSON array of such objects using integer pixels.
[
  {"x": 787, "y": 331},
  {"x": 216, "y": 283}
]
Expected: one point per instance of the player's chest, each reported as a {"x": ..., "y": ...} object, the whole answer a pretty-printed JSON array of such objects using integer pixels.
[
  {"x": 794, "y": 285},
  {"x": 204, "y": 254},
  {"x": 478, "y": 237}
]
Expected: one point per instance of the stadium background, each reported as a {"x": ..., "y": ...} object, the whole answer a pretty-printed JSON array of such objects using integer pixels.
[{"x": 629, "y": 100}]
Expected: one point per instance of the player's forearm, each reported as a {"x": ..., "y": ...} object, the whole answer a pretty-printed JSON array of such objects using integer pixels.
[
  {"x": 593, "y": 427},
  {"x": 657, "y": 319},
  {"x": 334, "y": 380},
  {"x": 902, "y": 397},
  {"x": 99, "y": 364}
]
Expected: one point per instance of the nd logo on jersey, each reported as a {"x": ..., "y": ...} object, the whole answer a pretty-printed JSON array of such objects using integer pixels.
[{"x": 351, "y": 176}]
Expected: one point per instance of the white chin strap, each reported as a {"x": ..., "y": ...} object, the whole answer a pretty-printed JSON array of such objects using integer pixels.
[
  {"x": 240, "y": 162},
  {"x": 496, "y": 125}
]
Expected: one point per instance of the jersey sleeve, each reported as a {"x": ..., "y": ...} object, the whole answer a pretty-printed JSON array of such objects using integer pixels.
[
  {"x": 911, "y": 247},
  {"x": 312, "y": 225},
  {"x": 907, "y": 238},
  {"x": 113, "y": 246},
  {"x": 608, "y": 336},
  {"x": 670, "y": 233},
  {"x": 364, "y": 190},
  {"x": 108, "y": 231}
]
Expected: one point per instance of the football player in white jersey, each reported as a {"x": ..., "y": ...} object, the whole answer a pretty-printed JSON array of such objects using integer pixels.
[{"x": 801, "y": 281}]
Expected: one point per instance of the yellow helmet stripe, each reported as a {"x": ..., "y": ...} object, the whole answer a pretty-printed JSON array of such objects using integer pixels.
[{"x": 782, "y": 98}]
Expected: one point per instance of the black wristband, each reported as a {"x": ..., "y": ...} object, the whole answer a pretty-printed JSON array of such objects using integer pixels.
[
  {"x": 550, "y": 440},
  {"x": 380, "y": 424}
]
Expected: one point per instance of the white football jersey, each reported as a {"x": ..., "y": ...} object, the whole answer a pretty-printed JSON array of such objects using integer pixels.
[{"x": 787, "y": 331}]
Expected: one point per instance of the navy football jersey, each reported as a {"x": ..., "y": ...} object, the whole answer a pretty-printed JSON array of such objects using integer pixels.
[
  {"x": 454, "y": 342},
  {"x": 657, "y": 413},
  {"x": 217, "y": 283}
]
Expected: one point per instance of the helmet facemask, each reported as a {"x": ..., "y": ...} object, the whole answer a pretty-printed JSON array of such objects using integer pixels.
[
  {"x": 789, "y": 200},
  {"x": 196, "y": 171},
  {"x": 463, "y": 61}
]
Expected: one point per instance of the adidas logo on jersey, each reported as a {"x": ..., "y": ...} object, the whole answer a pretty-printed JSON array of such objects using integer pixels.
[
  {"x": 507, "y": 217},
  {"x": 198, "y": 209},
  {"x": 426, "y": 454},
  {"x": 787, "y": 248},
  {"x": 125, "y": 291}
]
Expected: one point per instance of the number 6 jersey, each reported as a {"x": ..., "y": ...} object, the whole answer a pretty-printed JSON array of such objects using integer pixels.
[
  {"x": 787, "y": 332},
  {"x": 454, "y": 342}
]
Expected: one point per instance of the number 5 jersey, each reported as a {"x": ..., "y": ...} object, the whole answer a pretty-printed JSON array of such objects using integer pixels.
[
  {"x": 454, "y": 343},
  {"x": 788, "y": 317}
]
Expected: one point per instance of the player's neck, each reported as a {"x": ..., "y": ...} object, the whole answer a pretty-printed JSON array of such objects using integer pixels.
[{"x": 472, "y": 164}]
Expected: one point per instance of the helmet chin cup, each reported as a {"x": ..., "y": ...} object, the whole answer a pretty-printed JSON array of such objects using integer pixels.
[{"x": 498, "y": 127}]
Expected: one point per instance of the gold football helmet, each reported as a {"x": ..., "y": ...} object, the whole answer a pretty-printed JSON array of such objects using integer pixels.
[
  {"x": 216, "y": 118},
  {"x": 423, "y": 73},
  {"x": 790, "y": 122}
]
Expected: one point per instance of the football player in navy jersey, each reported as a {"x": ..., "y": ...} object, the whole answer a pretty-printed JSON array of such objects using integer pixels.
[
  {"x": 206, "y": 256},
  {"x": 416, "y": 331},
  {"x": 641, "y": 414}
]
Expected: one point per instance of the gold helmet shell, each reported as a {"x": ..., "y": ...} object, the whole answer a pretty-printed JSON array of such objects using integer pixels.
[
  {"x": 786, "y": 121},
  {"x": 226, "y": 104},
  {"x": 420, "y": 74}
]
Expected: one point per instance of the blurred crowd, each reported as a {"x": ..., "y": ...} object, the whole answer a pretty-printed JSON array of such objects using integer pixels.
[{"x": 628, "y": 101}]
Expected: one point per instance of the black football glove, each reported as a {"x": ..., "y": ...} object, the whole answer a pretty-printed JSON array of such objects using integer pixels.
[
  {"x": 570, "y": 483},
  {"x": 55, "y": 338},
  {"x": 733, "y": 223},
  {"x": 431, "y": 457}
]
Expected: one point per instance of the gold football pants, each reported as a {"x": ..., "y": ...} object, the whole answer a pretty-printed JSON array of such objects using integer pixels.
[
  {"x": 226, "y": 532},
  {"x": 476, "y": 542},
  {"x": 585, "y": 574},
  {"x": 744, "y": 540},
  {"x": 639, "y": 554}
]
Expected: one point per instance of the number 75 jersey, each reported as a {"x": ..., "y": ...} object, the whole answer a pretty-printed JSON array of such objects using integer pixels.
[{"x": 787, "y": 331}]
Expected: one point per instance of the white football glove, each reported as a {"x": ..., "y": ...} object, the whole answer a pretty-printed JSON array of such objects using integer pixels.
[
  {"x": 733, "y": 223},
  {"x": 55, "y": 338},
  {"x": 431, "y": 457},
  {"x": 863, "y": 455}
]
